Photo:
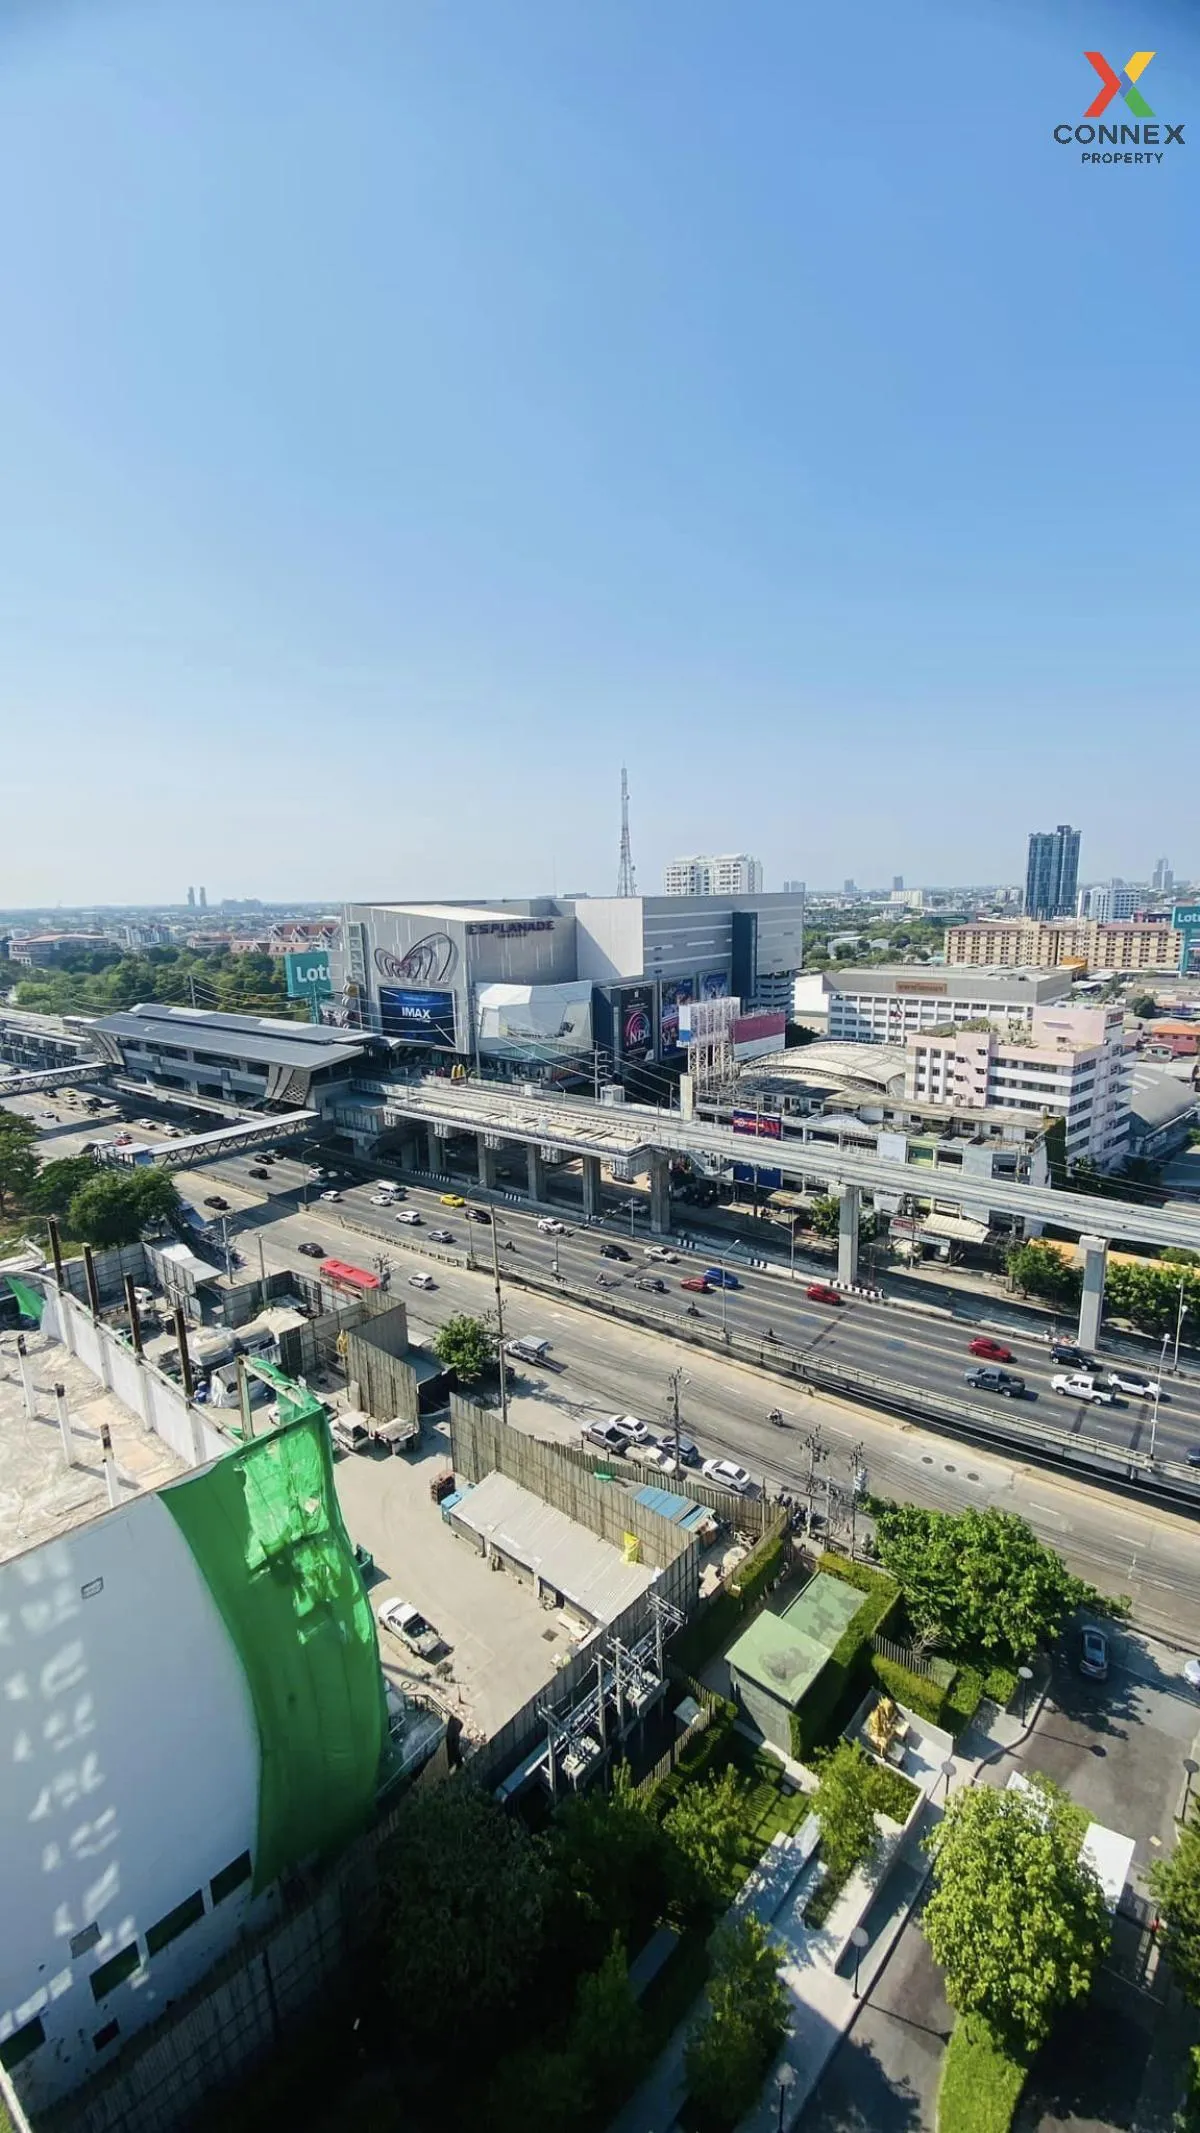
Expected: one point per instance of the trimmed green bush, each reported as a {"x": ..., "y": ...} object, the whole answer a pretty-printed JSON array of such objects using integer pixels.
[
  {"x": 981, "y": 2086},
  {"x": 919, "y": 1695},
  {"x": 710, "y": 1630},
  {"x": 1000, "y": 1684},
  {"x": 963, "y": 1700}
]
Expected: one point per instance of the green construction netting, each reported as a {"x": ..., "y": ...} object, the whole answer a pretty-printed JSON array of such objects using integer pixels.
[
  {"x": 266, "y": 1531},
  {"x": 30, "y": 1302}
]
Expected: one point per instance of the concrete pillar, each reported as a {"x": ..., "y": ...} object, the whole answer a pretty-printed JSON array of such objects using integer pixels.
[
  {"x": 537, "y": 1172},
  {"x": 487, "y": 1164},
  {"x": 660, "y": 1196},
  {"x": 1091, "y": 1302},
  {"x": 434, "y": 1150},
  {"x": 591, "y": 1187},
  {"x": 848, "y": 1234}
]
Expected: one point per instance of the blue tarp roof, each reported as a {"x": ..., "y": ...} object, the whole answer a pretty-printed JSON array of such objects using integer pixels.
[{"x": 681, "y": 1510}]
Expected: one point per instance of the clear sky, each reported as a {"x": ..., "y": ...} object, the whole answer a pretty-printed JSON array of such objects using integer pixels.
[{"x": 409, "y": 412}]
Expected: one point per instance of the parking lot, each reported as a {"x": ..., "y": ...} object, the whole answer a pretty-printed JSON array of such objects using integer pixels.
[{"x": 501, "y": 1645}]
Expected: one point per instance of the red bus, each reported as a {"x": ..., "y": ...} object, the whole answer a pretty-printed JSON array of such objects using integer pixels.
[{"x": 341, "y": 1275}]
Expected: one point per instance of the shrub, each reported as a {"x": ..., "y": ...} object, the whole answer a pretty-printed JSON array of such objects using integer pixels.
[
  {"x": 1000, "y": 1684},
  {"x": 924, "y": 1698},
  {"x": 981, "y": 2085},
  {"x": 963, "y": 1700}
]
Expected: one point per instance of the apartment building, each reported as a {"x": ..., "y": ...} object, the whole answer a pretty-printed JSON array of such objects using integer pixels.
[
  {"x": 1132, "y": 944},
  {"x": 1052, "y": 871},
  {"x": 1072, "y": 1065},
  {"x": 710, "y": 874},
  {"x": 1108, "y": 900},
  {"x": 884, "y": 1005}
]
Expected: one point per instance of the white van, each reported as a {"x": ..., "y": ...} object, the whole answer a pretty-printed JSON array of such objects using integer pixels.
[{"x": 385, "y": 1194}]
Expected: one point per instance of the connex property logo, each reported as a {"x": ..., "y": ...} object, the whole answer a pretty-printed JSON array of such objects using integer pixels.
[{"x": 1118, "y": 142}]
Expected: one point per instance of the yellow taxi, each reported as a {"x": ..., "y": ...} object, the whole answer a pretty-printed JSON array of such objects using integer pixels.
[{"x": 452, "y": 1199}]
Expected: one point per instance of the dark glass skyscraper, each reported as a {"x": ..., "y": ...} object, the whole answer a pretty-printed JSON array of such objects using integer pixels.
[{"x": 1053, "y": 872}]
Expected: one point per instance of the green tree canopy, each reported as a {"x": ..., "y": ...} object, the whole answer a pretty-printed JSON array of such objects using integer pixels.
[
  {"x": 467, "y": 1346},
  {"x": 843, "y": 1802},
  {"x": 980, "y": 1582},
  {"x": 1175, "y": 1887},
  {"x": 18, "y": 1164},
  {"x": 465, "y": 1892},
  {"x": 1143, "y": 1005},
  {"x": 613, "y": 1869},
  {"x": 57, "y": 1183},
  {"x": 1043, "y": 1270},
  {"x": 705, "y": 1825},
  {"x": 729, "y": 2049},
  {"x": 117, "y": 1205},
  {"x": 1148, "y": 1294},
  {"x": 1017, "y": 1921}
]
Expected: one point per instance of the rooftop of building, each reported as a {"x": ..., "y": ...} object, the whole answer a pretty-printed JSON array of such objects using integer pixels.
[
  {"x": 269, "y": 1040},
  {"x": 41, "y": 1496},
  {"x": 783, "y": 1654},
  {"x": 1157, "y": 1094},
  {"x": 1034, "y": 982}
]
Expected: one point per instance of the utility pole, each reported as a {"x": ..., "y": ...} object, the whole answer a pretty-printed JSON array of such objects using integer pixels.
[
  {"x": 675, "y": 1380},
  {"x": 855, "y": 1456},
  {"x": 500, "y": 1325},
  {"x": 1180, "y": 1315},
  {"x": 815, "y": 1443}
]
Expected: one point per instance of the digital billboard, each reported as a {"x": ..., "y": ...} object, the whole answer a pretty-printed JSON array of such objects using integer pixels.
[
  {"x": 714, "y": 984},
  {"x": 767, "y": 1126},
  {"x": 673, "y": 995},
  {"x": 635, "y": 1015},
  {"x": 535, "y": 1021},
  {"x": 417, "y": 1017}
]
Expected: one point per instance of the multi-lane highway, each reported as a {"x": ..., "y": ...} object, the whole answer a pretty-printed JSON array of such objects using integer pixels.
[{"x": 609, "y": 1367}]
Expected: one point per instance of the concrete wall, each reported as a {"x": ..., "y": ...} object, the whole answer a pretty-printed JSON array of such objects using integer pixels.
[
  {"x": 387, "y": 1384},
  {"x": 143, "y": 1388},
  {"x": 129, "y": 1765}
]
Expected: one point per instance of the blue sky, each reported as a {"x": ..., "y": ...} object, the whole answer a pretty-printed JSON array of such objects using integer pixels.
[{"x": 409, "y": 412}]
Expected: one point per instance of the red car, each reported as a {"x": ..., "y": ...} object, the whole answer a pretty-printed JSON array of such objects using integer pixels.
[
  {"x": 991, "y": 1351},
  {"x": 817, "y": 1293},
  {"x": 696, "y": 1283}
]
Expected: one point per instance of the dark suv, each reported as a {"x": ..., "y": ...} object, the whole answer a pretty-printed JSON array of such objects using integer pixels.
[
  {"x": 614, "y": 1251},
  {"x": 987, "y": 1378},
  {"x": 1066, "y": 1352}
]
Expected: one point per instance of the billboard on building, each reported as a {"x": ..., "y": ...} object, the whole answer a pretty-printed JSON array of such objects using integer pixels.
[
  {"x": 714, "y": 984},
  {"x": 750, "y": 1174},
  {"x": 765, "y": 1125},
  {"x": 635, "y": 1015},
  {"x": 538, "y": 1021},
  {"x": 308, "y": 974},
  {"x": 755, "y": 1035},
  {"x": 672, "y": 996},
  {"x": 417, "y": 1017}
]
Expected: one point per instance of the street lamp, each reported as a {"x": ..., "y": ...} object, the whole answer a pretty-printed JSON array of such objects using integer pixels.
[
  {"x": 1190, "y": 1767},
  {"x": 1024, "y": 1676},
  {"x": 1162, "y": 1364},
  {"x": 859, "y": 1939},
  {"x": 947, "y": 1770},
  {"x": 1180, "y": 1315},
  {"x": 786, "y": 2080}
]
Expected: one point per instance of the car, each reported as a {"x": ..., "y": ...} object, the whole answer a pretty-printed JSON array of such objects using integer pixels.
[
  {"x": 1193, "y": 1457},
  {"x": 1077, "y": 1385},
  {"x": 991, "y": 1379},
  {"x": 452, "y": 1199},
  {"x": 257, "y": 1171},
  {"x": 689, "y": 1451},
  {"x": 408, "y": 1214},
  {"x": 332, "y": 1194},
  {"x": 311, "y": 1250},
  {"x": 382, "y": 1199},
  {"x": 1135, "y": 1383},
  {"x": 550, "y": 1226},
  {"x": 659, "y": 1252},
  {"x": 214, "y": 1200},
  {"x": 421, "y": 1281},
  {"x": 441, "y": 1236},
  {"x": 410, "y": 1626},
  {"x": 1066, "y": 1352},
  {"x": 608, "y": 1435},
  {"x": 614, "y": 1251},
  {"x": 696, "y": 1283},
  {"x": 991, "y": 1351},
  {"x": 1093, "y": 1653},
  {"x": 725, "y": 1474},
  {"x": 636, "y": 1431},
  {"x": 653, "y": 1282},
  {"x": 721, "y": 1278},
  {"x": 122, "y": 1140},
  {"x": 349, "y": 1436},
  {"x": 478, "y": 1214},
  {"x": 818, "y": 1293}
]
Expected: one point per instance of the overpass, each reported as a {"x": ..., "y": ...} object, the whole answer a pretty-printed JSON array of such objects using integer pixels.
[
  {"x": 39, "y": 1082},
  {"x": 239, "y": 1137}
]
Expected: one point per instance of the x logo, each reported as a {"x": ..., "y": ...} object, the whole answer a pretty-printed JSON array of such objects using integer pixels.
[{"x": 1134, "y": 69}]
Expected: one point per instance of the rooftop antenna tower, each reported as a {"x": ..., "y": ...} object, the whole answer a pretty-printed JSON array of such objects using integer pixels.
[{"x": 626, "y": 878}]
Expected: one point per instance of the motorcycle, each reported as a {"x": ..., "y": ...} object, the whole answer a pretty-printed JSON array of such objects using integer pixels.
[{"x": 776, "y": 1416}]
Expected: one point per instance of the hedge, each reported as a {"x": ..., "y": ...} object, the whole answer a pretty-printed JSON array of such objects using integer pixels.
[
  {"x": 980, "y": 2086},
  {"x": 842, "y": 1680},
  {"x": 914, "y": 1691},
  {"x": 711, "y": 1629}
]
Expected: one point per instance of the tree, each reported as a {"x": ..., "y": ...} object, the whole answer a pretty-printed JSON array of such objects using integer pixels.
[
  {"x": 982, "y": 1580},
  {"x": 464, "y": 1903},
  {"x": 1175, "y": 1887},
  {"x": 467, "y": 1346},
  {"x": 1040, "y": 1270},
  {"x": 843, "y": 1801},
  {"x": 825, "y": 1218},
  {"x": 18, "y": 1164},
  {"x": 116, "y": 1206},
  {"x": 1148, "y": 1295},
  {"x": 706, "y": 1825},
  {"x": 1143, "y": 1005},
  {"x": 1017, "y": 1920},
  {"x": 57, "y": 1183},
  {"x": 613, "y": 1868},
  {"x": 608, "y": 2031},
  {"x": 729, "y": 2049}
]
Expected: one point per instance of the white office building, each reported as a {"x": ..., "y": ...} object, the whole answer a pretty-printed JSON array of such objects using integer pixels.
[
  {"x": 709, "y": 874},
  {"x": 1107, "y": 901},
  {"x": 1072, "y": 1064},
  {"x": 886, "y": 1005}
]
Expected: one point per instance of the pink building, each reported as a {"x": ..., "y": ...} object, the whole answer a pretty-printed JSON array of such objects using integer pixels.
[{"x": 1071, "y": 1066}]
